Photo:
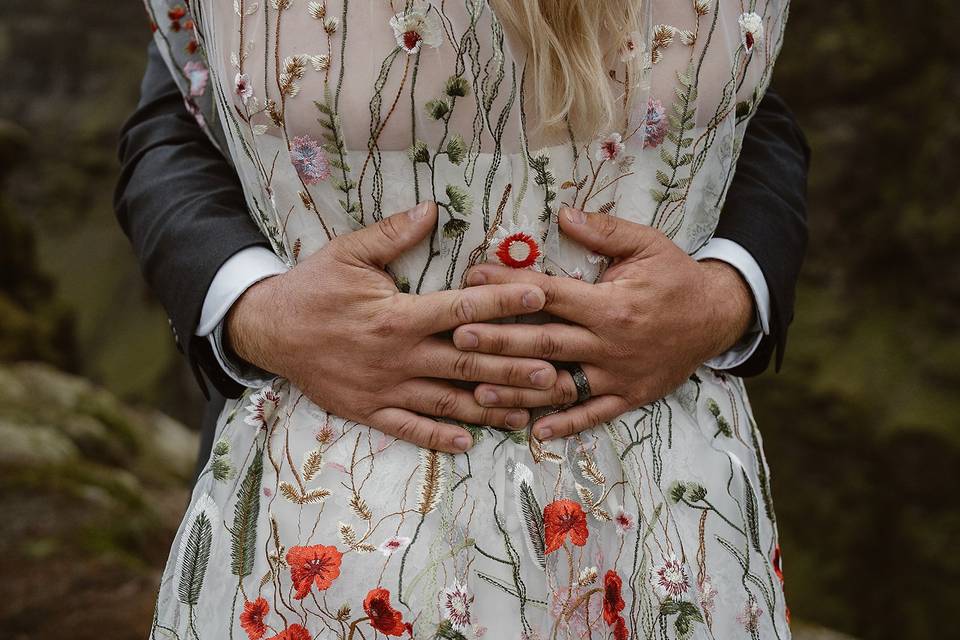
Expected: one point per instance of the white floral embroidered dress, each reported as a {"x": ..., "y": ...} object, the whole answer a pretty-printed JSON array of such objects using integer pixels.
[{"x": 658, "y": 524}]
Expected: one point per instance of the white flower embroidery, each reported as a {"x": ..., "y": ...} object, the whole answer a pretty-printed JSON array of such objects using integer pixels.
[
  {"x": 456, "y": 606},
  {"x": 751, "y": 30},
  {"x": 263, "y": 406},
  {"x": 670, "y": 578},
  {"x": 610, "y": 148},
  {"x": 416, "y": 28},
  {"x": 243, "y": 87},
  {"x": 391, "y": 545}
]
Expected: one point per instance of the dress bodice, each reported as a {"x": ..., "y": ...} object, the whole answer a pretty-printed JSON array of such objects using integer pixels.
[{"x": 338, "y": 113}]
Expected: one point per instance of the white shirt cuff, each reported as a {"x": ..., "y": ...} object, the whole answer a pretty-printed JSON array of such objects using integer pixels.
[
  {"x": 740, "y": 259},
  {"x": 240, "y": 272}
]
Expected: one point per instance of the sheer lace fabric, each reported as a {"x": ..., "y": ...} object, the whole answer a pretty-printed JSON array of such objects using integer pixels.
[{"x": 336, "y": 114}]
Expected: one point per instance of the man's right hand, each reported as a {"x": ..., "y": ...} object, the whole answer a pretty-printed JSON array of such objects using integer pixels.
[{"x": 339, "y": 329}]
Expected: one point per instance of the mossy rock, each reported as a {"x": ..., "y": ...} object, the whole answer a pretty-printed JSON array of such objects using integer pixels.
[{"x": 88, "y": 486}]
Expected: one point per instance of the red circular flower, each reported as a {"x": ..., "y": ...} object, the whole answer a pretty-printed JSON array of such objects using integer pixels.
[
  {"x": 177, "y": 12},
  {"x": 564, "y": 517},
  {"x": 518, "y": 250},
  {"x": 251, "y": 618},
  {"x": 613, "y": 602},
  {"x": 383, "y": 617},
  {"x": 318, "y": 565}
]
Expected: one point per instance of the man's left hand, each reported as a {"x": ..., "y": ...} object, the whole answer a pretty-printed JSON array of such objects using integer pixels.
[{"x": 653, "y": 318}]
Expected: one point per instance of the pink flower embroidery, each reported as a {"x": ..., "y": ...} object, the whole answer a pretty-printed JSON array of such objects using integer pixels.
[
  {"x": 655, "y": 124},
  {"x": 243, "y": 88},
  {"x": 198, "y": 75},
  {"x": 610, "y": 147},
  {"x": 749, "y": 616},
  {"x": 309, "y": 160},
  {"x": 624, "y": 520}
]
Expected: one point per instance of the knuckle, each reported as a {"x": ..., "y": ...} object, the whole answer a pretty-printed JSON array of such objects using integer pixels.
[
  {"x": 384, "y": 325},
  {"x": 608, "y": 226},
  {"x": 466, "y": 366},
  {"x": 567, "y": 390},
  {"x": 446, "y": 403},
  {"x": 390, "y": 229},
  {"x": 407, "y": 430},
  {"x": 434, "y": 439},
  {"x": 513, "y": 373},
  {"x": 463, "y": 309},
  {"x": 547, "y": 346}
]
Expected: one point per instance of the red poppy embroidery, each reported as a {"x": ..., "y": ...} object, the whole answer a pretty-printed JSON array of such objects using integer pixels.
[
  {"x": 518, "y": 250},
  {"x": 251, "y": 618},
  {"x": 383, "y": 617},
  {"x": 564, "y": 517},
  {"x": 318, "y": 565},
  {"x": 293, "y": 632},
  {"x": 612, "y": 598},
  {"x": 620, "y": 631}
]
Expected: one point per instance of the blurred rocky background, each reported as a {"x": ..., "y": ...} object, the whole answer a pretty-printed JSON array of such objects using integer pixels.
[{"x": 862, "y": 427}]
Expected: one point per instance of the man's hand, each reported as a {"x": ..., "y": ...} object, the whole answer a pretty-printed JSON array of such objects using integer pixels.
[
  {"x": 654, "y": 317},
  {"x": 337, "y": 327}
]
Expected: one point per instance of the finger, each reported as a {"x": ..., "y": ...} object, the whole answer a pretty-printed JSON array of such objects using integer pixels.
[
  {"x": 421, "y": 431},
  {"x": 383, "y": 242},
  {"x": 436, "y": 398},
  {"x": 445, "y": 310},
  {"x": 567, "y": 298},
  {"x": 554, "y": 341},
  {"x": 607, "y": 235},
  {"x": 437, "y": 358},
  {"x": 564, "y": 392},
  {"x": 596, "y": 410}
]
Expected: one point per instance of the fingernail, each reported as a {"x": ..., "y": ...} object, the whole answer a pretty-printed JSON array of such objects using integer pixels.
[
  {"x": 462, "y": 442},
  {"x": 517, "y": 419},
  {"x": 466, "y": 340},
  {"x": 533, "y": 299},
  {"x": 540, "y": 378},
  {"x": 475, "y": 278},
  {"x": 575, "y": 215},
  {"x": 489, "y": 398},
  {"x": 543, "y": 433},
  {"x": 418, "y": 211}
]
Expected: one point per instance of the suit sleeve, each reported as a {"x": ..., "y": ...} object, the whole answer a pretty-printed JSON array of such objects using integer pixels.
[
  {"x": 766, "y": 213},
  {"x": 182, "y": 206}
]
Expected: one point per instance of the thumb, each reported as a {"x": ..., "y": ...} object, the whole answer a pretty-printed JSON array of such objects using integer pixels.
[
  {"x": 606, "y": 234},
  {"x": 383, "y": 242}
]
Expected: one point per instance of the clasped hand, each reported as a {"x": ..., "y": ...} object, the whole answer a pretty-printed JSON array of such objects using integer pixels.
[{"x": 339, "y": 329}]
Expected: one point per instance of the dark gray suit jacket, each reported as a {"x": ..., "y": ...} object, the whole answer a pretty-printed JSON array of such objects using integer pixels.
[{"x": 181, "y": 205}]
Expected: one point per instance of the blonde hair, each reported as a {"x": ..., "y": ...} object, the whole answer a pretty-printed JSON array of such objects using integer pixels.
[{"x": 571, "y": 47}]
